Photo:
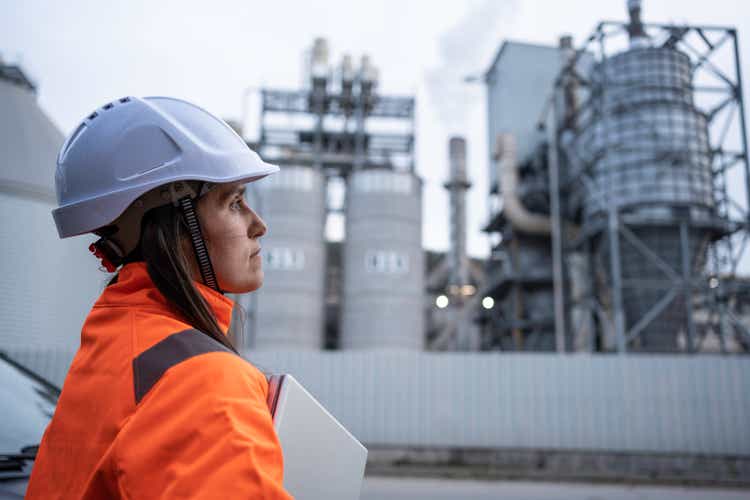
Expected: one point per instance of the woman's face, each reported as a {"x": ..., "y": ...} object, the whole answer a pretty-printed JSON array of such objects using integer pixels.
[{"x": 232, "y": 231}]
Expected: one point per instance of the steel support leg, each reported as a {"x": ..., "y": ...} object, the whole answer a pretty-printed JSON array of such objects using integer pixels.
[{"x": 614, "y": 260}]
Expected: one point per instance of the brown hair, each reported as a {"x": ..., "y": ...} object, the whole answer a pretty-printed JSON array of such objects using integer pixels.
[{"x": 163, "y": 231}]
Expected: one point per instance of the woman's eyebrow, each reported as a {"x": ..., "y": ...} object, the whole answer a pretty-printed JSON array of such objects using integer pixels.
[{"x": 238, "y": 191}]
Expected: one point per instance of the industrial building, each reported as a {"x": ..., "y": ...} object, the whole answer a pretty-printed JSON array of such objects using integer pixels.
[
  {"x": 343, "y": 131},
  {"x": 612, "y": 224},
  {"x": 519, "y": 274},
  {"x": 378, "y": 288},
  {"x": 48, "y": 284}
]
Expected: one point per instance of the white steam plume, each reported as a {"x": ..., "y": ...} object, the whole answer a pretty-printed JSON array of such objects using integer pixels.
[{"x": 466, "y": 49}]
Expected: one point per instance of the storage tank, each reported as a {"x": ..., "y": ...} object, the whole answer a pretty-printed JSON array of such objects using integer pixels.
[
  {"x": 290, "y": 303},
  {"x": 646, "y": 146},
  {"x": 383, "y": 262},
  {"x": 645, "y": 140},
  {"x": 48, "y": 285}
]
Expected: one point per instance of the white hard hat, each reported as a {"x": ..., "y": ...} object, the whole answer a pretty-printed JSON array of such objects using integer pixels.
[{"x": 133, "y": 145}]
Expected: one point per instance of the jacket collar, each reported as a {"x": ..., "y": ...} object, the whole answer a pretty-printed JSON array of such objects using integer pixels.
[{"x": 134, "y": 287}]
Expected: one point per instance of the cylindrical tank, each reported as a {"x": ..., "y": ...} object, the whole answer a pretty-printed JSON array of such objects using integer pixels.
[
  {"x": 646, "y": 147},
  {"x": 383, "y": 262},
  {"x": 645, "y": 141},
  {"x": 289, "y": 306}
]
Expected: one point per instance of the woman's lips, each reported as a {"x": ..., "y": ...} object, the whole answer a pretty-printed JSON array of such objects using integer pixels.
[{"x": 255, "y": 253}]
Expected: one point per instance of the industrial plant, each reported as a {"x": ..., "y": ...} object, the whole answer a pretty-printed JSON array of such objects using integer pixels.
[
  {"x": 341, "y": 132},
  {"x": 377, "y": 288},
  {"x": 619, "y": 178},
  {"x": 603, "y": 337},
  {"x": 618, "y": 194}
]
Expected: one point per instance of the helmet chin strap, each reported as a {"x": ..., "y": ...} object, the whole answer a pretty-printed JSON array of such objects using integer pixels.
[{"x": 199, "y": 244}]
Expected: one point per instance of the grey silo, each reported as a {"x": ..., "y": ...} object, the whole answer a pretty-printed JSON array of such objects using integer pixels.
[
  {"x": 647, "y": 149},
  {"x": 383, "y": 262},
  {"x": 289, "y": 312}
]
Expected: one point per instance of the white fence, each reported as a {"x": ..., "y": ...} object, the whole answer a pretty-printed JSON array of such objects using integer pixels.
[{"x": 635, "y": 403}]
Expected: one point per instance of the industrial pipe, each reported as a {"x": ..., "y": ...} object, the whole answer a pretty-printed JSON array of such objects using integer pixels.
[{"x": 517, "y": 214}]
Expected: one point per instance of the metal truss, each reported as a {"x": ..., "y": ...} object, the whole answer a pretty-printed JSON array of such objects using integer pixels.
[
  {"x": 336, "y": 148},
  {"x": 297, "y": 101},
  {"x": 718, "y": 96}
]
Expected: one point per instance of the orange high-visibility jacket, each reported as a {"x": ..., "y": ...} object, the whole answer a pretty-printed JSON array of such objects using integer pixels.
[{"x": 152, "y": 408}]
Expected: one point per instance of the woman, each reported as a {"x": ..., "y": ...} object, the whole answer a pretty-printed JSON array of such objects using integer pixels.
[{"x": 157, "y": 403}]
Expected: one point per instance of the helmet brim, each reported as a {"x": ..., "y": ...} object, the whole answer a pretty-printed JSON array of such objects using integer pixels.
[{"x": 103, "y": 210}]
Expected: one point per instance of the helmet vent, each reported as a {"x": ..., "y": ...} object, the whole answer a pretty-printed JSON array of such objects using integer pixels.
[
  {"x": 125, "y": 99},
  {"x": 93, "y": 115},
  {"x": 109, "y": 106}
]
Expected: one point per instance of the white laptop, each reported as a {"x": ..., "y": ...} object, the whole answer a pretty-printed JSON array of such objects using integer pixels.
[{"x": 322, "y": 460}]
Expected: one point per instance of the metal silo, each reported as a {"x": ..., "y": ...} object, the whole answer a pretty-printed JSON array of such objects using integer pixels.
[
  {"x": 289, "y": 306},
  {"x": 383, "y": 261},
  {"x": 646, "y": 146}
]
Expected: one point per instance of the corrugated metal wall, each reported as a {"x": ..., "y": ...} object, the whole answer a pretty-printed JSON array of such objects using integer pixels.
[
  {"x": 664, "y": 404},
  {"x": 48, "y": 285}
]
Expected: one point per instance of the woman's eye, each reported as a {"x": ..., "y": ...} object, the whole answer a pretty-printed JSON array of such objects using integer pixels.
[{"x": 235, "y": 205}]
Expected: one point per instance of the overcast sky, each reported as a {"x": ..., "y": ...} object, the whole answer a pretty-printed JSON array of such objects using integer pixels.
[{"x": 83, "y": 54}]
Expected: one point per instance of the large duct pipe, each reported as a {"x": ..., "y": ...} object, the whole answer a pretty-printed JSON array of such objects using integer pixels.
[
  {"x": 517, "y": 214},
  {"x": 521, "y": 218}
]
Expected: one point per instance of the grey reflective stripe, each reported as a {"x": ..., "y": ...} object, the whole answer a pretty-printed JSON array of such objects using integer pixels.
[{"x": 150, "y": 365}]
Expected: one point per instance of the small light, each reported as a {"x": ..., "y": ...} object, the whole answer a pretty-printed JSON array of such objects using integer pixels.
[
  {"x": 441, "y": 301},
  {"x": 488, "y": 302},
  {"x": 468, "y": 290},
  {"x": 713, "y": 282}
]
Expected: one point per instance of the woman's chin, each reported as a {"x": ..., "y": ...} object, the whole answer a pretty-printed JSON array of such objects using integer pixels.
[{"x": 245, "y": 286}]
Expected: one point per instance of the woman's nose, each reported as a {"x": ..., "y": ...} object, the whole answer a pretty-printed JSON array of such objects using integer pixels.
[{"x": 257, "y": 227}]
